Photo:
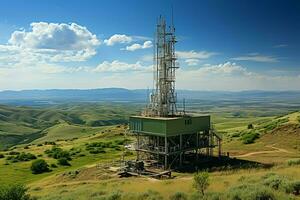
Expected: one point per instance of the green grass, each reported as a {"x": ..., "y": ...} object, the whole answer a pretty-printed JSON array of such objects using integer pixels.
[
  {"x": 24, "y": 124},
  {"x": 77, "y": 128}
]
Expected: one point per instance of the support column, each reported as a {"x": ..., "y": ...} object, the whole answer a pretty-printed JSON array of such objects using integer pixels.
[
  {"x": 197, "y": 144},
  {"x": 181, "y": 151},
  {"x": 166, "y": 153},
  {"x": 220, "y": 148},
  {"x": 138, "y": 147}
]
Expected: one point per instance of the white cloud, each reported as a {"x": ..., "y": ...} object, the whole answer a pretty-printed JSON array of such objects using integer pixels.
[
  {"x": 194, "y": 54},
  {"x": 227, "y": 68},
  {"x": 192, "y": 62},
  {"x": 118, "y": 38},
  {"x": 117, "y": 66},
  {"x": 147, "y": 44},
  {"x": 233, "y": 77},
  {"x": 51, "y": 42},
  {"x": 192, "y": 58},
  {"x": 55, "y": 36},
  {"x": 280, "y": 46},
  {"x": 256, "y": 58}
]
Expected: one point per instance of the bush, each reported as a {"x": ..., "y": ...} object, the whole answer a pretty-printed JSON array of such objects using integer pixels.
[
  {"x": 49, "y": 143},
  {"x": 250, "y": 192},
  {"x": 273, "y": 180},
  {"x": 294, "y": 162},
  {"x": 292, "y": 187},
  {"x": 150, "y": 195},
  {"x": 58, "y": 153},
  {"x": 21, "y": 157},
  {"x": 250, "y": 126},
  {"x": 63, "y": 161},
  {"x": 14, "y": 192},
  {"x": 250, "y": 137},
  {"x": 114, "y": 196},
  {"x": 53, "y": 165},
  {"x": 39, "y": 166},
  {"x": 97, "y": 150},
  {"x": 1, "y": 155},
  {"x": 25, "y": 157},
  {"x": 201, "y": 181},
  {"x": 179, "y": 196},
  {"x": 13, "y": 153}
]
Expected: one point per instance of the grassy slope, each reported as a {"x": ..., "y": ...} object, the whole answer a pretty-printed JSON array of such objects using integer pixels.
[
  {"x": 285, "y": 136},
  {"x": 91, "y": 189},
  {"x": 19, "y": 124},
  {"x": 53, "y": 185},
  {"x": 20, "y": 171}
]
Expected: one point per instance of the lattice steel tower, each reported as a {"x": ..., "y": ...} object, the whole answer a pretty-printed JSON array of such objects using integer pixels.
[{"x": 163, "y": 98}]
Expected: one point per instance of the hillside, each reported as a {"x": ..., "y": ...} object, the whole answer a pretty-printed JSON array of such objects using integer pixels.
[
  {"x": 92, "y": 136},
  {"x": 269, "y": 141},
  {"x": 25, "y": 124}
]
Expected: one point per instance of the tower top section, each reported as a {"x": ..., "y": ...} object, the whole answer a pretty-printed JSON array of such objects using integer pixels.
[{"x": 163, "y": 97}]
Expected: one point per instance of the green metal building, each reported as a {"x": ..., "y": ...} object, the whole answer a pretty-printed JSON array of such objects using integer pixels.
[{"x": 168, "y": 140}]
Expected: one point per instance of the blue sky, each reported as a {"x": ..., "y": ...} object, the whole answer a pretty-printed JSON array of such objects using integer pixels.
[{"x": 223, "y": 45}]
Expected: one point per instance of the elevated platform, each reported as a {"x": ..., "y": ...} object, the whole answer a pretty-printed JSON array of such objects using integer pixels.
[{"x": 169, "y": 126}]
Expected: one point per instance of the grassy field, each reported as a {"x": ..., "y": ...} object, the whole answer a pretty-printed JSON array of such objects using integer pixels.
[{"x": 91, "y": 176}]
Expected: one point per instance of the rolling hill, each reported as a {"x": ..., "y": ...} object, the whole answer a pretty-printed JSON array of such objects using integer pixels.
[{"x": 19, "y": 124}]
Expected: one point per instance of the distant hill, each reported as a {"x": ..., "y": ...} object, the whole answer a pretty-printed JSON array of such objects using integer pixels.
[
  {"x": 53, "y": 96},
  {"x": 19, "y": 124}
]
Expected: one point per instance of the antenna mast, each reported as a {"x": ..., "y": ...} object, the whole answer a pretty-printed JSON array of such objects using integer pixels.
[{"x": 163, "y": 98}]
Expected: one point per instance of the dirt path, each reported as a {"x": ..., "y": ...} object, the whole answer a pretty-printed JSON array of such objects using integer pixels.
[{"x": 275, "y": 150}]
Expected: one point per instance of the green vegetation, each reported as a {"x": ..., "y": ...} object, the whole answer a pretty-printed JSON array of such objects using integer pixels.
[
  {"x": 179, "y": 196},
  {"x": 21, "y": 157},
  {"x": 250, "y": 137},
  {"x": 82, "y": 133},
  {"x": 20, "y": 125},
  {"x": 201, "y": 181},
  {"x": 251, "y": 192},
  {"x": 63, "y": 161},
  {"x": 58, "y": 153},
  {"x": 14, "y": 192},
  {"x": 39, "y": 166},
  {"x": 274, "y": 124},
  {"x": 293, "y": 162}
]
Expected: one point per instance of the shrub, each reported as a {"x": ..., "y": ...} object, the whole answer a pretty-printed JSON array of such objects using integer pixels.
[
  {"x": 292, "y": 187},
  {"x": 21, "y": 157},
  {"x": 251, "y": 192},
  {"x": 63, "y": 161},
  {"x": 25, "y": 157},
  {"x": 13, "y": 153},
  {"x": 53, "y": 165},
  {"x": 294, "y": 162},
  {"x": 49, "y": 143},
  {"x": 250, "y": 126},
  {"x": 39, "y": 166},
  {"x": 97, "y": 150},
  {"x": 213, "y": 196},
  {"x": 114, "y": 196},
  {"x": 1, "y": 155},
  {"x": 179, "y": 196},
  {"x": 150, "y": 195},
  {"x": 57, "y": 153},
  {"x": 273, "y": 180},
  {"x": 14, "y": 192},
  {"x": 201, "y": 181},
  {"x": 250, "y": 137}
]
